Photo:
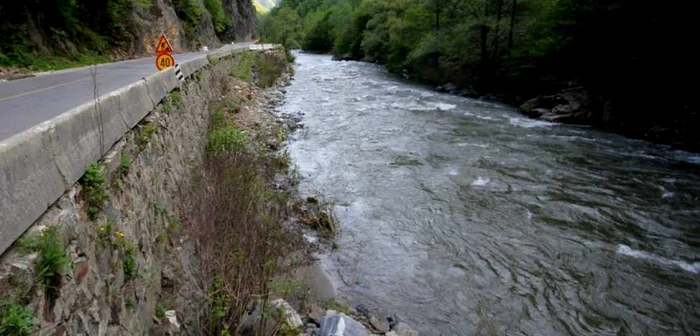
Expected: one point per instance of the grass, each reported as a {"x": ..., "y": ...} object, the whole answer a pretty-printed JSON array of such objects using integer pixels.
[
  {"x": 94, "y": 189},
  {"x": 332, "y": 304},
  {"x": 52, "y": 259},
  {"x": 176, "y": 97},
  {"x": 16, "y": 320},
  {"x": 160, "y": 311},
  {"x": 243, "y": 69},
  {"x": 129, "y": 266},
  {"x": 148, "y": 129},
  {"x": 159, "y": 207},
  {"x": 225, "y": 141},
  {"x": 124, "y": 164},
  {"x": 217, "y": 119}
]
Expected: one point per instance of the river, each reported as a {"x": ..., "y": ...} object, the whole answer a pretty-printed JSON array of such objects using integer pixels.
[{"x": 463, "y": 217}]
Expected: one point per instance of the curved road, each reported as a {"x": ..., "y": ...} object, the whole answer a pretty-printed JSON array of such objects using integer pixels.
[{"x": 27, "y": 102}]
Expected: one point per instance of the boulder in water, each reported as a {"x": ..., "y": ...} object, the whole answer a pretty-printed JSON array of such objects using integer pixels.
[
  {"x": 402, "y": 329},
  {"x": 342, "y": 325}
]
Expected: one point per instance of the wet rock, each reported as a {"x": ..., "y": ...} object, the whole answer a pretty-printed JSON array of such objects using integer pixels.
[
  {"x": 560, "y": 118},
  {"x": 5, "y": 284},
  {"x": 537, "y": 113},
  {"x": 402, "y": 329},
  {"x": 379, "y": 325},
  {"x": 342, "y": 325},
  {"x": 562, "y": 109},
  {"x": 80, "y": 270},
  {"x": 448, "y": 88},
  {"x": 296, "y": 117},
  {"x": 345, "y": 57},
  {"x": 393, "y": 320},
  {"x": 171, "y": 317},
  {"x": 316, "y": 314},
  {"x": 362, "y": 310},
  {"x": 468, "y": 92},
  {"x": 22, "y": 270}
]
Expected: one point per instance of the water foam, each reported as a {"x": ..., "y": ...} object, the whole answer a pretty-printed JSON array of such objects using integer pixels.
[
  {"x": 529, "y": 123},
  {"x": 445, "y": 106},
  {"x": 688, "y": 267},
  {"x": 481, "y": 181}
]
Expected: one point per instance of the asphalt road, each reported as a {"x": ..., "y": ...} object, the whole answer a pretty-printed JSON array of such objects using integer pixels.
[{"x": 27, "y": 102}]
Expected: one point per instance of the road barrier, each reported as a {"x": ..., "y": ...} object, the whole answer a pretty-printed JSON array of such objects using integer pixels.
[{"x": 42, "y": 163}]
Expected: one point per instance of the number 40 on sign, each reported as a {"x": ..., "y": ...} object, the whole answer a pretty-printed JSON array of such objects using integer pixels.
[{"x": 164, "y": 59}]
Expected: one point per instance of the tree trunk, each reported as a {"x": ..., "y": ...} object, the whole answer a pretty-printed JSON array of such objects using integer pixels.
[
  {"x": 437, "y": 35},
  {"x": 512, "y": 24},
  {"x": 496, "y": 35}
]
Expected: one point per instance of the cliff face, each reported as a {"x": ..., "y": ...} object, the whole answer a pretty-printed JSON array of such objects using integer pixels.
[
  {"x": 243, "y": 25},
  {"x": 117, "y": 28}
]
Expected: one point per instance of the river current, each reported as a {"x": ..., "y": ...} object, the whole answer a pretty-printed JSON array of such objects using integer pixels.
[{"x": 463, "y": 217}]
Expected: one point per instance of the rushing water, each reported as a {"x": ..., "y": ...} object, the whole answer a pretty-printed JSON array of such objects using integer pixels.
[{"x": 463, "y": 217}]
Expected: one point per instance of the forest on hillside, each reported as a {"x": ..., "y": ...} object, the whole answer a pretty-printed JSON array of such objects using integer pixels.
[{"x": 629, "y": 56}]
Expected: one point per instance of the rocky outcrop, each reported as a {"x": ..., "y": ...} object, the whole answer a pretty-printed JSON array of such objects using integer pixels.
[
  {"x": 243, "y": 24},
  {"x": 116, "y": 28},
  {"x": 466, "y": 91},
  {"x": 566, "y": 107}
]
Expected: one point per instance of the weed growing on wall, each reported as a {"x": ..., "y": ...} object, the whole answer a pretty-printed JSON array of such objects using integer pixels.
[
  {"x": 15, "y": 320},
  {"x": 94, "y": 190}
]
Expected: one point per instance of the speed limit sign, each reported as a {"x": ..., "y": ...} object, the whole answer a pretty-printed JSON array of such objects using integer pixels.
[{"x": 164, "y": 61}]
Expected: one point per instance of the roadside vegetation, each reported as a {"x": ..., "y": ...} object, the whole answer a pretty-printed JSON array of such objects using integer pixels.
[{"x": 236, "y": 206}]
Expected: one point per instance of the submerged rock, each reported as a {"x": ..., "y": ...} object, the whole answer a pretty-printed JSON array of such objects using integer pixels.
[
  {"x": 402, "y": 329},
  {"x": 342, "y": 325},
  {"x": 379, "y": 325},
  {"x": 449, "y": 88}
]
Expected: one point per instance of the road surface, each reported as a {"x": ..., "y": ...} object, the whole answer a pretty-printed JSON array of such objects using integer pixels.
[{"x": 27, "y": 102}]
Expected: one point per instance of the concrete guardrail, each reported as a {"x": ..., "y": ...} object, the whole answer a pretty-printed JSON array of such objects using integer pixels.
[{"x": 40, "y": 164}]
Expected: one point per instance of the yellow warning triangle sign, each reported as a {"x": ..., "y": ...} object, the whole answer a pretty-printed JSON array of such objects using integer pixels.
[{"x": 163, "y": 45}]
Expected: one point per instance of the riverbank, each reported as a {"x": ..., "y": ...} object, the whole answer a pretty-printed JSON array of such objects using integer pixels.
[
  {"x": 136, "y": 245},
  {"x": 579, "y": 106}
]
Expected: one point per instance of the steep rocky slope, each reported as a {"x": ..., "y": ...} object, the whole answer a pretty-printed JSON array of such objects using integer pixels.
[{"x": 34, "y": 32}]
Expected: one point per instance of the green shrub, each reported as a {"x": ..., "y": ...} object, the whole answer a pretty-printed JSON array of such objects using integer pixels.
[
  {"x": 124, "y": 164},
  {"x": 243, "y": 69},
  {"x": 52, "y": 258},
  {"x": 16, "y": 320},
  {"x": 225, "y": 141},
  {"x": 94, "y": 190},
  {"x": 129, "y": 263},
  {"x": 160, "y": 311},
  {"x": 217, "y": 119},
  {"x": 4, "y": 60},
  {"x": 176, "y": 97},
  {"x": 93, "y": 212},
  {"x": 269, "y": 68},
  {"x": 146, "y": 132}
]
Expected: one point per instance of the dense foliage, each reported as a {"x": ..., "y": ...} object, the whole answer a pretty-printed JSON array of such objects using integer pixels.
[{"x": 625, "y": 51}]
